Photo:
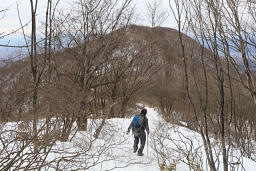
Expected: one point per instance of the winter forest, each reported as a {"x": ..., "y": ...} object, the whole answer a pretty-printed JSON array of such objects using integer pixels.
[{"x": 81, "y": 70}]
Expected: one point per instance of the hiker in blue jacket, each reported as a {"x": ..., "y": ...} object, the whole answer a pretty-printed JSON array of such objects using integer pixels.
[{"x": 138, "y": 125}]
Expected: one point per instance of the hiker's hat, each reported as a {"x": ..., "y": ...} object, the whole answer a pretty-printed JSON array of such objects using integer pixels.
[{"x": 143, "y": 111}]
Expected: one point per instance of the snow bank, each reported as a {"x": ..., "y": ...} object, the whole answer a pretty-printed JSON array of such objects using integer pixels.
[{"x": 113, "y": 150}]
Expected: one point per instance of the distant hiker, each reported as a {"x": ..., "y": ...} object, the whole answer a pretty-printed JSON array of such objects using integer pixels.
[{"x": 139, "y": 124}]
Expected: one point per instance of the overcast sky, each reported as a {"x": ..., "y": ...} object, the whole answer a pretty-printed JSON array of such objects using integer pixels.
[{"x": 10, "y": 21}]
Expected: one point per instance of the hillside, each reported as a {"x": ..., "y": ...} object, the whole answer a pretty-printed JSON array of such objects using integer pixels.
[
  {"x": 129, "y": 65},
  {"x": 86, "y": 84},
  {"x": 151, "y": 50}
]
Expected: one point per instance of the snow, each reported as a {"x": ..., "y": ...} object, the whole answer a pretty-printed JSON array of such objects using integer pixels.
[
  {"x": 149, "y": 161},
  {"x": 113, "y": 150}
]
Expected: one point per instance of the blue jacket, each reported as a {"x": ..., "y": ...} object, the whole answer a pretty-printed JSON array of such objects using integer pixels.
[{"x": 143, "y": 127}]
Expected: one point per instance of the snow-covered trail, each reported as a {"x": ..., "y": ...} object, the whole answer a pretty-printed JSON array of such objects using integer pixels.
[
  {"x": 126, "y": 160},
  {"x": 147, "y": 162},
  {"x": 113, "y": 150},
  {"x": 124, "y": 153}
]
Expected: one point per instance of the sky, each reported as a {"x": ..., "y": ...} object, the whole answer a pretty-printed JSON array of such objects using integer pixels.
[{"x": 10, "y": 20}]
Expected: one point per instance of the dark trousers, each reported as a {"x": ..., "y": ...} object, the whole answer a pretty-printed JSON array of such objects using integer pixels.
[{"x": 142, "y": 139}]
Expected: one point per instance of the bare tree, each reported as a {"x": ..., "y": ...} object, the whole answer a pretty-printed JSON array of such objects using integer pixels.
[
  {"x": 81, "y": 56},
  {"x": 217, "y": 26},
  {"x": 107, "y": 65},
  {"x": 155, "y": 13},
  {"x": 2, "y": 12},
  {"x": 89, "y": 52}
]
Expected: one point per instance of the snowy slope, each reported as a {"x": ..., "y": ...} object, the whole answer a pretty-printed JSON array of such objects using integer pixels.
[
  {"x": 158, "y": 128},
  {"x": 125, "y": 152},
  {"x": 113, "y": 150}
]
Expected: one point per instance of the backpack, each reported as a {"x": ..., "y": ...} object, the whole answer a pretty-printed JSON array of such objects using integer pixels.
[{"x": 137, "y": 125}]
